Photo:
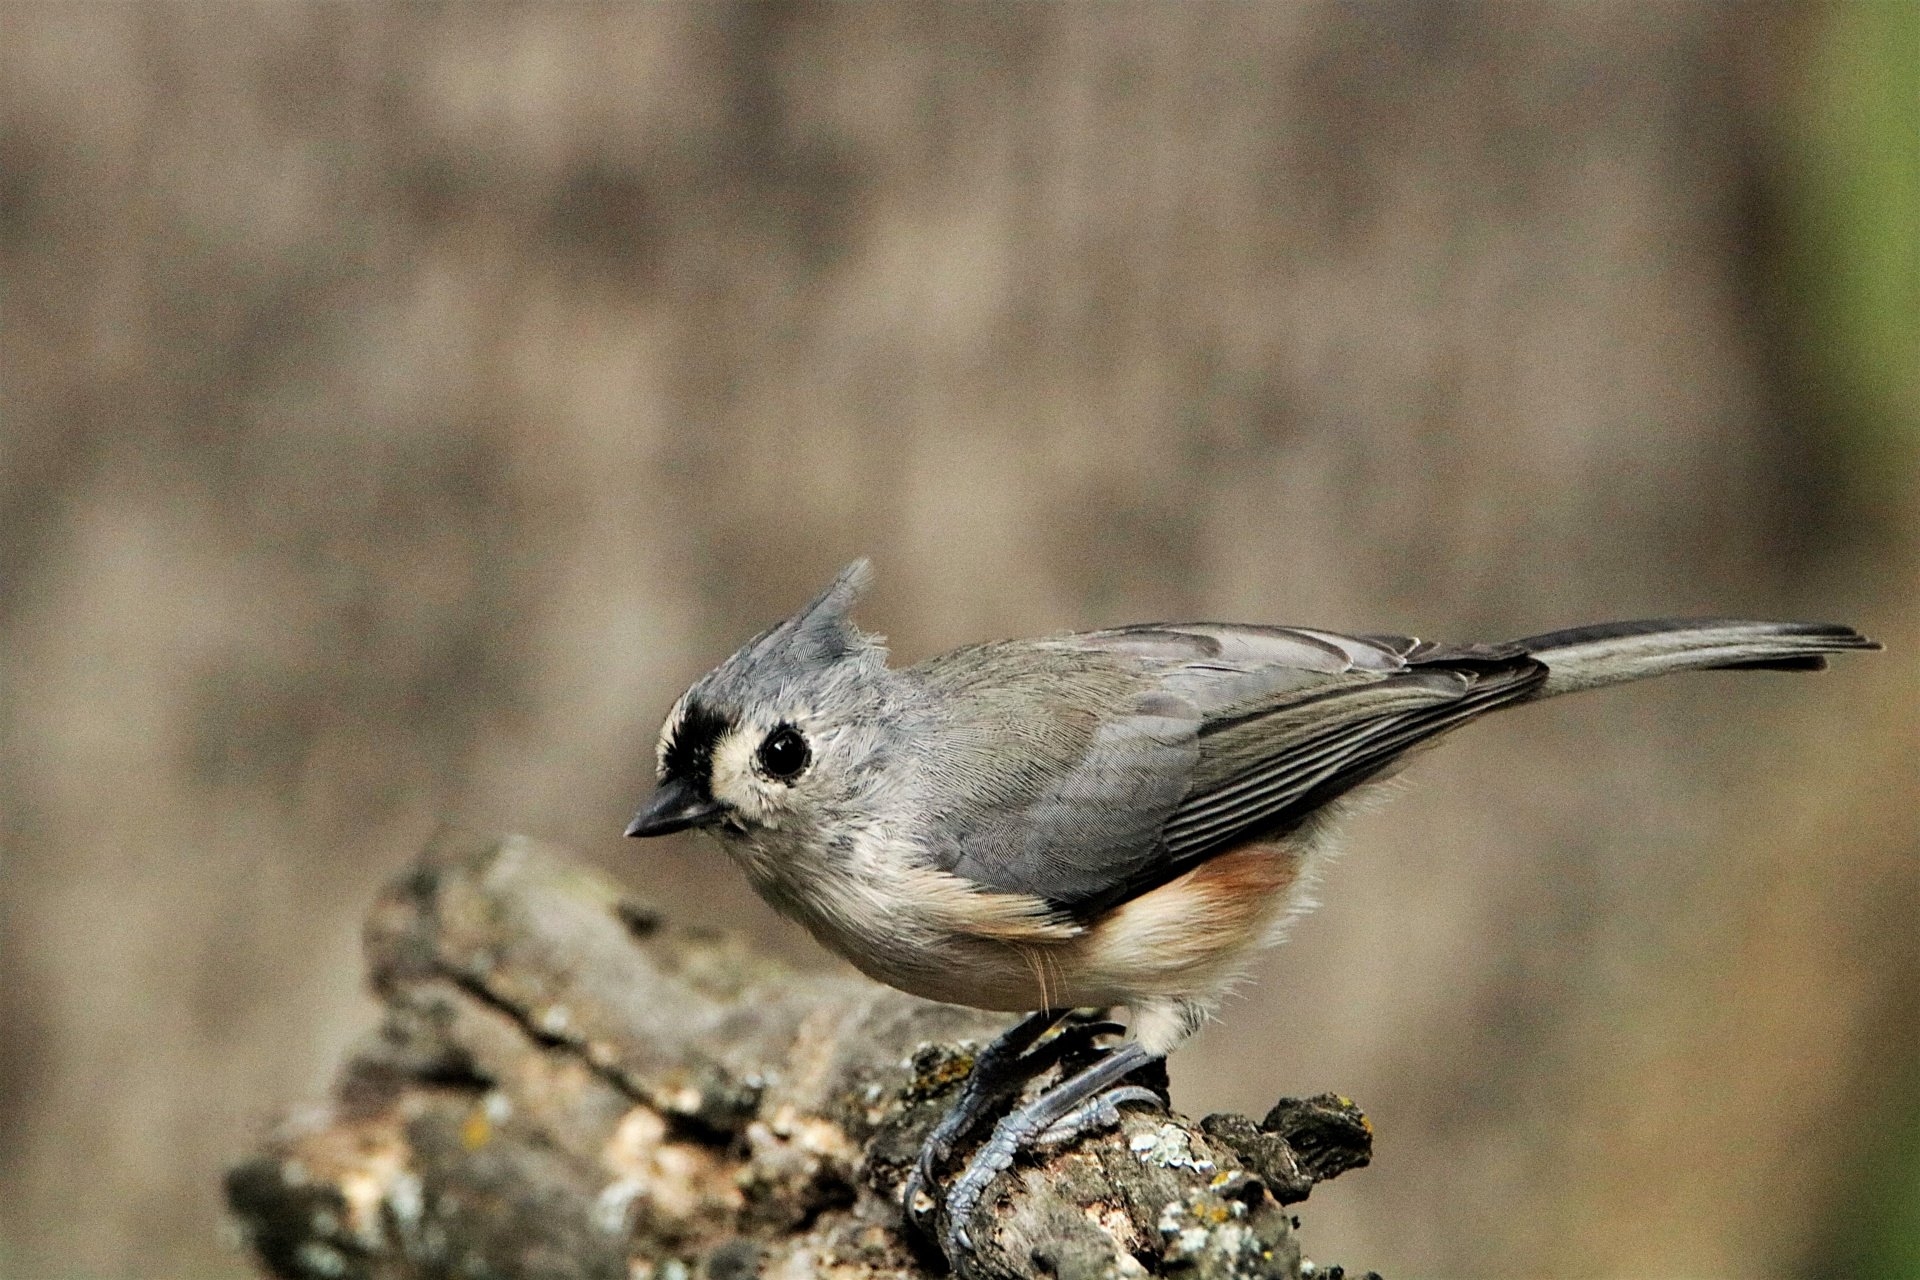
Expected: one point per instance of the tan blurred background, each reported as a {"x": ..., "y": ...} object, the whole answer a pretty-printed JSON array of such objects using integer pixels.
[{"x": 402, "y": 404}]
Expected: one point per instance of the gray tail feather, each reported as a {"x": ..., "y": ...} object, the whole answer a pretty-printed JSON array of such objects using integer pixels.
[{"x": 1615, "y": 652}]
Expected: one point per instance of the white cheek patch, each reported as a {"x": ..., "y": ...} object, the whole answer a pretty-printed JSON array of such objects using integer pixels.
[{"x": 734, "y": 781}]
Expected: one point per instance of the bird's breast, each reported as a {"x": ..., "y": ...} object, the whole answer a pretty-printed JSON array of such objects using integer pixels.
[{"x": 877, "y": 902}]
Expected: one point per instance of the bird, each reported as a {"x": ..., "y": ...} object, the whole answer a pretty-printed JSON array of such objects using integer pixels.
[{"x": 1089, "y": 820}]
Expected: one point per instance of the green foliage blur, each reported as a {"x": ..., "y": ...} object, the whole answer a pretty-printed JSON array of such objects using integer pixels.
[
  {"x": 1856, "y": 273},
  {"x": 1856, "y": 257}
]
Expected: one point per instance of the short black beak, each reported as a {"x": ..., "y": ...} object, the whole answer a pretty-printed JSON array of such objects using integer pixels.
[{"x": 675, "y": 806}]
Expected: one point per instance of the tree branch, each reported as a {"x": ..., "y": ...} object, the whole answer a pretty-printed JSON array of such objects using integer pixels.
[{"x": 566, "y": 1085}]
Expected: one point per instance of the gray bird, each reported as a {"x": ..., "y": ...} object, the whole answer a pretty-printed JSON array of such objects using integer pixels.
[{"x": 1104, "y": 818}]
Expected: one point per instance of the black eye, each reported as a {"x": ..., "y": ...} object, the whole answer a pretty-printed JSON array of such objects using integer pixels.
[{"x": 784, "y": 754}]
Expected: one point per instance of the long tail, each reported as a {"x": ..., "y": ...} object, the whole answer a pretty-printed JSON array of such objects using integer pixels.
[{"x": 1615, "y": 652}]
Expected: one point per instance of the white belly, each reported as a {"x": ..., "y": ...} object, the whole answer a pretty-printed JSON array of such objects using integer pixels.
[{"x": 935, "y": 935}]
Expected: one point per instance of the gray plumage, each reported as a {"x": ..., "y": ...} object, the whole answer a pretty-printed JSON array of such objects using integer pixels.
[{"x": 1057, "y": 779}]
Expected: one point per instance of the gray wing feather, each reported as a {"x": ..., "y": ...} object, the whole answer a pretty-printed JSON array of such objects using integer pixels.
[
  {"x": 1194, "y": 736},
  {"x": 1130, "y": 756},
  {"x": 1306, "y": 766},
  {"x": 1053, "y": 767},
  {"x": 1087, "y": 768},
  {"x": 1099, "y": 823},
  {"x": 1294, "y": 717}
]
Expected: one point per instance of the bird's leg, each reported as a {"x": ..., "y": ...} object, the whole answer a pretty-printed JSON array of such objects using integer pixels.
[
  {"x": 1080, "y": 1102},
  {"x": 1067, "y": 1045}
]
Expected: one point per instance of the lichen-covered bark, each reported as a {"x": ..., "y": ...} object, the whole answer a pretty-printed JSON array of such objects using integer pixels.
[{"x": 567, "y": 1087}]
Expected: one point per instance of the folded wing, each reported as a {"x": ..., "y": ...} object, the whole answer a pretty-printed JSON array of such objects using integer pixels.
[{"x": 1195, "y": 738}]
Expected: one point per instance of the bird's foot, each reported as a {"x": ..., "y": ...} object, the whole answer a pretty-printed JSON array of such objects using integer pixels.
[
  {"x": 994, "y": 1075},
  {"x": 1000, "y": 1070},
  {"x": 1084, "y": 1102}
]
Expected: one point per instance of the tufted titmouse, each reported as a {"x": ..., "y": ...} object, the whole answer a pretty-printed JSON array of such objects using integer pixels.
[{"x": 1108, "y": 818}]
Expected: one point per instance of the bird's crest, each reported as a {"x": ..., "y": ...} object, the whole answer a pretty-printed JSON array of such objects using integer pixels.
[
  {"x": 822, "y": 633},
  {"x": 819, "y": 638}
]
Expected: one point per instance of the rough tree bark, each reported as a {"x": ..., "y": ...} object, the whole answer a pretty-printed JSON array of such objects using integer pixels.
[{"x": 567, "y": 1085}]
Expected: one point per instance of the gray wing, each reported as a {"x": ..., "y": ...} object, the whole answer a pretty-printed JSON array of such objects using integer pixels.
[
  {"x": 1056, "y": 767},
  {"x": 1200, "y": 736}
]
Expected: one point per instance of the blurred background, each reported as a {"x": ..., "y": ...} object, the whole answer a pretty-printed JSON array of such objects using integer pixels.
[{"x": 402, "y": 404}]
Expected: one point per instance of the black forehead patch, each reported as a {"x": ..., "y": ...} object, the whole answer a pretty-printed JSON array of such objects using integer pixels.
[{"x": 689, "y": 753}]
